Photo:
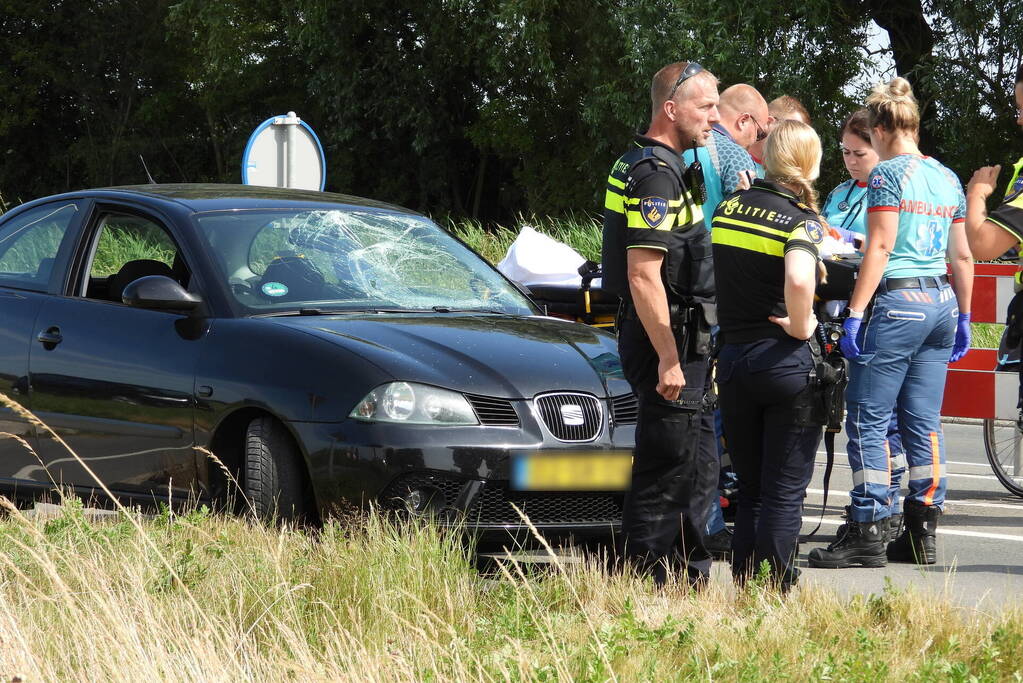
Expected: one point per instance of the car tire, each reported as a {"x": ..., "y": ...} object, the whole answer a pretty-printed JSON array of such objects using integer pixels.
[{"x": 272, "y": 477}]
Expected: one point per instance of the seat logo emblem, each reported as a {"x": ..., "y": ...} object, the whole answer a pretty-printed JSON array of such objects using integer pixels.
[{"x": 572, "y": 415}]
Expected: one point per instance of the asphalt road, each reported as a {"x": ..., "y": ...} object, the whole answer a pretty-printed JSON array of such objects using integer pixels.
[{"x": 980, "y": 534}]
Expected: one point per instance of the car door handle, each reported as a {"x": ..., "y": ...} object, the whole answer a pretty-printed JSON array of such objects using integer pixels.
[{"x": 50, "y": 337}]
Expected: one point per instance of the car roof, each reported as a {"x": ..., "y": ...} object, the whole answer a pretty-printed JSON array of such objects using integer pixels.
[{"x": 216, "y": 197}]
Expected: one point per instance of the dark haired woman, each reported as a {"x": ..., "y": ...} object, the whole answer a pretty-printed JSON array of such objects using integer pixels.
[{"x": 845, "y": 209}]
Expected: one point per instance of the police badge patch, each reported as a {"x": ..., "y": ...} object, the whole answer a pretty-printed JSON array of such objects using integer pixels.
[
  {"x": 814, "y": 231},
  {"x": 1015, "y": 190},
  {"x": 653, "y": 209}
]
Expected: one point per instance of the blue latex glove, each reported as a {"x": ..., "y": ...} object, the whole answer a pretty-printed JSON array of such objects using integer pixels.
[
  {"x": 962, "y": 344},
  {"x": 847, "y": 342}
]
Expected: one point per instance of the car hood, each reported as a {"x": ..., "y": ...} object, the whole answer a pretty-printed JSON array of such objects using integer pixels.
[{"x": 488, "y": 354}]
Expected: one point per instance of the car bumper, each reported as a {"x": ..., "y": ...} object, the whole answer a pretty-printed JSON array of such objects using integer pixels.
[{"x": 462, "y": 476}]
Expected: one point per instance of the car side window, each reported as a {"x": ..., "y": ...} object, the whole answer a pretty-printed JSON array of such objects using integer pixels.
[
  {"x": 29, "y": 244},
  {"x": 128, "y": 247}
]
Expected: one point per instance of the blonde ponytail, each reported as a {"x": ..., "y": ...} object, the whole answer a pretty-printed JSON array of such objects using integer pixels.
[
  {"x": 893, "y": 107},
  {"x": 792, "y": 157}
]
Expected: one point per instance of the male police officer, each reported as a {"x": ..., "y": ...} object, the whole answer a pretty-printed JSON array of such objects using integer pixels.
[{"x": 656, "y": 257}]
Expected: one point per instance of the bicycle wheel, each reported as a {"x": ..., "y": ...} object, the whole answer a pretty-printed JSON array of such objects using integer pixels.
[{"x": 1004, "y": 445}]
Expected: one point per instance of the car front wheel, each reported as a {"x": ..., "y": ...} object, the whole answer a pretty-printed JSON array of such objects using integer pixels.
[{"x": 272, "y": 479}]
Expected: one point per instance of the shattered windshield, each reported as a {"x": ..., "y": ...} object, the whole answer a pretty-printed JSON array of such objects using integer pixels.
[{"x": 358, "y": 259}]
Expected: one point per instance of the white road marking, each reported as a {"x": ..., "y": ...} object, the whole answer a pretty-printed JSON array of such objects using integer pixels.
[
  {"x": 953, "y": 503},
  {"x": 943, "y": 532},
  {"x": 986, "y": 477},
  {"x": 984, "y": 464}
]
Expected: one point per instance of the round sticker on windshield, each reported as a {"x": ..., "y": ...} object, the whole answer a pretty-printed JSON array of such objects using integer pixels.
[{"x": 275, "y": 289}]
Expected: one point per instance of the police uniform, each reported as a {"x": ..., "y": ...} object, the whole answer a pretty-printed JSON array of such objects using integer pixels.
[
  {"x": 763, "y": 374},
  {"x": 674, "y": 472},
  {"x": 1009, "y": 216}
]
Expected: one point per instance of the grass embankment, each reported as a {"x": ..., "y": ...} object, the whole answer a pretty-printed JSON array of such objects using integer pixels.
[
  {"x": 375, "y": 600},
  {"x": 583, "y": 235}
]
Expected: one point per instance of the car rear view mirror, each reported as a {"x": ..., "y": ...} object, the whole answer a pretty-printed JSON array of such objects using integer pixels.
[{"x": 159, "y": 292}]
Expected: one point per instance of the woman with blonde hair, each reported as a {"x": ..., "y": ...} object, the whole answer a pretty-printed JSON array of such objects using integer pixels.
[
  {"x": 765, "y": 242},
  {"x": 905, "y": 321}
]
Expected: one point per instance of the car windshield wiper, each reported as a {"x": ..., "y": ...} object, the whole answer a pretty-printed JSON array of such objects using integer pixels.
[
  {"x": 313, "y": 310},
  {"x": 306, "y": 311},
  {"x": 448, "y": 309}
]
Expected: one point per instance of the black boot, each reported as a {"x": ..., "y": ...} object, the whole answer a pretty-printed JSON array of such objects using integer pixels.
[
  {"x": 894, "y": 527},
  {"x": 861, "y": 543},
  {"x": 916, "y": 543}
]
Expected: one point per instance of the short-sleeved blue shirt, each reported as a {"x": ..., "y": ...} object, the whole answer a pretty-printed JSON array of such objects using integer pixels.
[
  {"x": 845, "y": 209},
  {"x": 928, "y": 198},
  {"x": 723, "y": 160}
]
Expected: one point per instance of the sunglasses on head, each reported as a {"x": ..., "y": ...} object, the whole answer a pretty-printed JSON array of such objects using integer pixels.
[{"x": 691, "y": 70}]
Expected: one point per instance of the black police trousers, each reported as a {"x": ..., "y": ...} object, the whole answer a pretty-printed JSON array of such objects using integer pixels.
[
  {"x": 674, "y": 466},
  {"x": 772, "y": 452}
]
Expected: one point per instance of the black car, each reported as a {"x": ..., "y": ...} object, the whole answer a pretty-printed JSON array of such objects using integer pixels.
[{"x": 326, "y": 349}]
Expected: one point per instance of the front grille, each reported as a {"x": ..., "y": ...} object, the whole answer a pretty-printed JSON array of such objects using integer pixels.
[
  {"x": 493, "y": 412},
  {"x": 624, "y": 409},
  {"x": 493, "y": 505},
  {"x": 570, "y": 417},
  {"x": 494, "y": 508}
]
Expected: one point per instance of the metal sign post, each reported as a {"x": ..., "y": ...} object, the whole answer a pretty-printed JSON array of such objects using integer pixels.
[{"x": 284, "y": 151}]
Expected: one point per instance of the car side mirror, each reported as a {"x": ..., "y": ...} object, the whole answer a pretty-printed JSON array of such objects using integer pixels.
[{"x": 159, "y": 292}]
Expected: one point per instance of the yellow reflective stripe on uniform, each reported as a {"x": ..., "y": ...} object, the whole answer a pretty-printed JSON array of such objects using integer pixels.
[
  {"x": 620, "y": 184},
  {"x": 754, "y": 226},
  {"x": 614, "y": 202},
  {"x": 1016, "y": 168},
  {"x": 1012, "y": 231},
  {"x": 744, "y": 240},
  {"x": 637, "y": 200},
  {"x": 634, "y": 219},
  {"x": 696, "y": 214},
  {"x": 646, "y": 246}
]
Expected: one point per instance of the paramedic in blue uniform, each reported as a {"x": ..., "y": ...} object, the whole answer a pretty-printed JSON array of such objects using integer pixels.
[
  {"x": 656, "y": 258},
  {"x": 899, "y": 349},
  {"x": 845, "y": 211},
  {"x": 766, "y": 262}
]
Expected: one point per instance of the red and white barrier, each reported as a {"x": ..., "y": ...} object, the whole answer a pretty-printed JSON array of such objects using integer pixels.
[{"x": 972, "y": 387}]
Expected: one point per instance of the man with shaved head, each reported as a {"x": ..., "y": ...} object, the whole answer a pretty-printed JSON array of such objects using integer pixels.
[
  {"x": 784, "y": 108},
  {"x": 727, "y": 165}
]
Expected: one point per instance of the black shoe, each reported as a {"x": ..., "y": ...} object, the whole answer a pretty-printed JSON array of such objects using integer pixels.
[
  {"x": 916, "y": 543},
  {"x": 894, "y": 527},
  {"x": 719, "y": 545},
  {"x": 891, "y": 531},
  {"x": 861, "y": 543}
]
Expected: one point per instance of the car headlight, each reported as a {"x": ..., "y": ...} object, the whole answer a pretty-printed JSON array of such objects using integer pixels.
[{"x": 410, "y": 403}]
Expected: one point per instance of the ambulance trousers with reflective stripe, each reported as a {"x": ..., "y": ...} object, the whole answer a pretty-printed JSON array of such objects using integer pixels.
[
  {"x": 674, "y": 467},
  {"x": 906, "y": 344},
  {"x": 773, "y": 450}
]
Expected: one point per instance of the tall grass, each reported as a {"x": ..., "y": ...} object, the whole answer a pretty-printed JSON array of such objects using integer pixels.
[
  {"x": 375, "y": 599},
  {"x": 581, "y": 232}
]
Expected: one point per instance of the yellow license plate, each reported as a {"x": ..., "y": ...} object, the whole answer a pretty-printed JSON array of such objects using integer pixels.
[{"x": 576, "y": 471}]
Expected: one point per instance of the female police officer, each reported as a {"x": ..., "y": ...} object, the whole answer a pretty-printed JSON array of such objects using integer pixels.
[
  {"x": 765, "y": 243},
  {"x": 915, "y": 209}
]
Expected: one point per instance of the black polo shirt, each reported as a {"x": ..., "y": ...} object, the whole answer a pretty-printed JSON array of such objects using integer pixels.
[{"x": 752, "y": 231}]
